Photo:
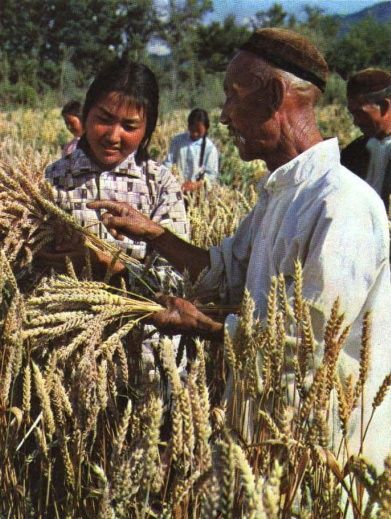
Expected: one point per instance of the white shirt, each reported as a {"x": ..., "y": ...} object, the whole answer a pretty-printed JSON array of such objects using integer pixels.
[
  {"x": 315, "y": 210},
  {"x": 380, "y": 156},
  {"x": 185, "y": 153}
]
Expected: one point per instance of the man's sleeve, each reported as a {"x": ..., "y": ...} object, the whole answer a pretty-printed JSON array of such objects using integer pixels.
[
  {"x": 49, "y": 174},
  {"x": 226, "y": 277}
]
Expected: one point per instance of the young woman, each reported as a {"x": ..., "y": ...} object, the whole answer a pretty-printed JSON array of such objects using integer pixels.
[
  {"x": 111, "y": 161},
  {"x": 71, "y": 113},
  {"x": 194, "y": 153}
]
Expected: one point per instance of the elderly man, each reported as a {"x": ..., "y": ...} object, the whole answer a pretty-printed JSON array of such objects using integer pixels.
[
  {"x": 310, "y": 208},
  {"x": 369, "y": 156}
]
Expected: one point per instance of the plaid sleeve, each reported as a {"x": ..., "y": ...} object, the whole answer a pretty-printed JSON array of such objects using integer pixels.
[
  {"x": 53, "y": 174},
  {"x": 170, "y": 210},
  {"x": 49, "y": 173}
]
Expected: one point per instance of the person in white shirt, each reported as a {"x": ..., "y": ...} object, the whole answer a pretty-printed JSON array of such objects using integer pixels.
[
  {"x": 369, "y": 156},
  {"x": 194, "y": 153},
  {"x": 310, "y": 208}
]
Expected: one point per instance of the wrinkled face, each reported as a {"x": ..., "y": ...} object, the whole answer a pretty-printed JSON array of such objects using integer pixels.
[
  {"x": 73, "y": 124},
  {"x": 197, "y": 131},
  {"x": 114, "y": 129},
  {"x": 247, "y": 110},
  {"x": 366, "y": 116}
]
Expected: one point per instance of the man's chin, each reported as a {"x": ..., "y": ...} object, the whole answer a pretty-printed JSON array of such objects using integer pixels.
[{"x": 245, "y": 155}]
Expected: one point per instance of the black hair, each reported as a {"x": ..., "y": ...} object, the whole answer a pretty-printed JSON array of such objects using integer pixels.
[
  {"x": 131, "y": 80},
  {"x": 198, "y": 115},
  {"x": 72, "y": 108}
]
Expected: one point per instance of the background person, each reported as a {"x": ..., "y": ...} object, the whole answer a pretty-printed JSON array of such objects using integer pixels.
[
  {"x": 310, "y": 209},
  {"x": 369, "y": 156},
  {"x": 194, "y": 153},
  {"x": 71, "y": 114}
]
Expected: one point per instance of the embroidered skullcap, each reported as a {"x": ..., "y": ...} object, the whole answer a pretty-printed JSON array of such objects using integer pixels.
[
  {"x": 291, "y": 52},
  {"x": 373, "y": 84}
]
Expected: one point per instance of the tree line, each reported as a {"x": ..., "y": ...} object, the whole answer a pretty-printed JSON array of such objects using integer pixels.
[{"x": 54, "y": 47}]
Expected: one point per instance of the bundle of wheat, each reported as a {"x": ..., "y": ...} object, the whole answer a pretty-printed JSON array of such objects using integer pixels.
[
  {"x": 28, "y": 216},
  {"x": 83, "y": 309}
]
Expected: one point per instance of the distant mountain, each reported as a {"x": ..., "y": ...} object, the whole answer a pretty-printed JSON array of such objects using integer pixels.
[{"x": 381, "y": 12}]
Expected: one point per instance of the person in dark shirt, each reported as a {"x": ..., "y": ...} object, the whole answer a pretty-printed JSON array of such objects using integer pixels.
[{"x": 369, "y": 156}]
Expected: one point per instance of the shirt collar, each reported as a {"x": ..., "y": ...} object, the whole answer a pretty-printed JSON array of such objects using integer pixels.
[
  {"x": 197, "y": 142},
  {"x": 81, "y": 162},
  {"x": 374, "y": 143},
  {"x": 314, "y": 162}
]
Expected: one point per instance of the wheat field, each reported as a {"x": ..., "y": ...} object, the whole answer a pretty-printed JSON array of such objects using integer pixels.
[{"x": 91, "y": 428}]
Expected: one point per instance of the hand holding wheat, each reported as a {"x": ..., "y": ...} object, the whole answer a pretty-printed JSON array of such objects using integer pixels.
[
  {"x": 123, "y": 220},
  {"x": 29, "y": 218},
  {"x": 181, "y": 316}
]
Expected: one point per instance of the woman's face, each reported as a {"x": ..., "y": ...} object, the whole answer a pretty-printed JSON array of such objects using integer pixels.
[
  {"x": 114, "y": 129},
  {"x": 197, "y": 130}
]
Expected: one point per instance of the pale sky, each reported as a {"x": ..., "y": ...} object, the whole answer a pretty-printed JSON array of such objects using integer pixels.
[{"x": 245, "y": 8}]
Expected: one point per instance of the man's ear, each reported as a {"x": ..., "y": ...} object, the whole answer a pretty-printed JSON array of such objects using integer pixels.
[
  {"x": 277, "y": 92},
  {"x": 385, "y": 106}
]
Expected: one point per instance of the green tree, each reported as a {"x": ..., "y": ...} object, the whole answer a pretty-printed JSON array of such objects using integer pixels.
[
  {"x": 273, "y": 17},
  {"x": 367, "y": 44},
  {"x": 95, "y": 30},
  {"x": 216, "y": 43},
  {"x": 320, "y": 28},
  {"x": 178, "y": 29},
  {"x": 83, "y": 34}
]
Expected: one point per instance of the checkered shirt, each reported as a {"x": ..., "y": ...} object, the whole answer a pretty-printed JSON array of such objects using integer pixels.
[{"x": 150, "y": 188}]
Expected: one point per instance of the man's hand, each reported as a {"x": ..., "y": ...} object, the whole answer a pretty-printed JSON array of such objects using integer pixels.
[
  {"x": 181, "y": 316},
  {"x": 121, "y": 220}
]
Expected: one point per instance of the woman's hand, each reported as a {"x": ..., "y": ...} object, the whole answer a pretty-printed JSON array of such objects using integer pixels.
[
  {"x": 181, "y": 316},
  {"x": 189, "y": 186},
  {"x": 68, "y": 243},
  {"x": 121, "y": 220}
]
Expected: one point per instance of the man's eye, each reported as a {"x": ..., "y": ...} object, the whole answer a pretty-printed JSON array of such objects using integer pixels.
[{"x": 129, "y": 128}]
